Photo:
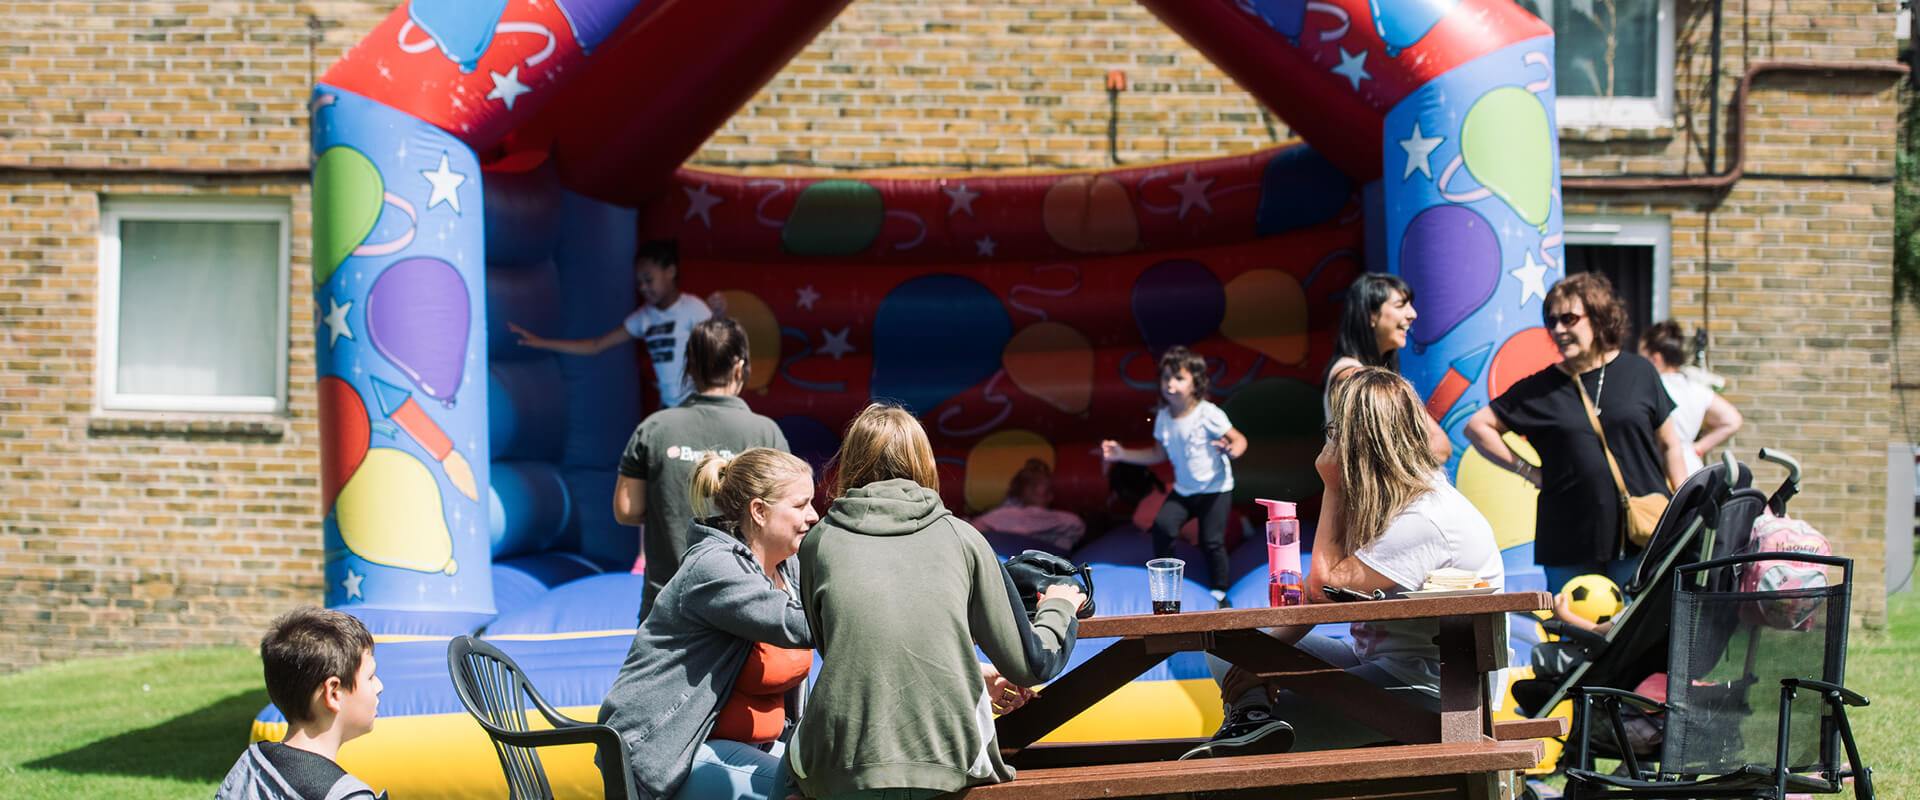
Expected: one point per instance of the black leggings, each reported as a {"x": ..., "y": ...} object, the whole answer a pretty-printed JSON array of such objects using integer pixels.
[{"x": 1212, "y": 511}]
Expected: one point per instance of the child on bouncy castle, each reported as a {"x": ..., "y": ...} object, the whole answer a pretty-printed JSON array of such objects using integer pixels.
[{"x": 1197, "y": 437}]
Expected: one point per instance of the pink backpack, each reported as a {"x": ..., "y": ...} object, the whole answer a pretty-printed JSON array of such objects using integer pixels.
[{"x": 1773, "y": 534}]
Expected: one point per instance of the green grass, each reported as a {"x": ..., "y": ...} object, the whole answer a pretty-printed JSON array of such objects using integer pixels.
[
  {"x": 158, "y": 725},
  {"x": 168, "y": 725}
]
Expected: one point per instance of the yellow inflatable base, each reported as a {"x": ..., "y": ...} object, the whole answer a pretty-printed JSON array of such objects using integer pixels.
[{"x": 448, "y": 756}]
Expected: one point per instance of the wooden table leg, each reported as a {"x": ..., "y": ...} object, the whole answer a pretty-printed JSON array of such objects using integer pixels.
[
  {"x": 1076, "y": 691},
  {"x": 1358, "y": 700},
  {"x": 1464, "y": 706}
]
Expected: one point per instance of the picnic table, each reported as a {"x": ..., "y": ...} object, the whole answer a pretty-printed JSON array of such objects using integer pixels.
[{"x": 1456, "y": 751}]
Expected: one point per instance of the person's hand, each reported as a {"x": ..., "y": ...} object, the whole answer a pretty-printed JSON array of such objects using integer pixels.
[
  {"x": 1563, "y": 611},
  {"x": 1067, "y": 591},
  {"x": 1223, "y": 445},
  {"x": 1328, "y": 465},
  {"x": 1529, "y": 472},
  {"x": 1006, "y": 695},
  {"x": 1109, "y": 450},
  {"x": 526, "y": 338}
]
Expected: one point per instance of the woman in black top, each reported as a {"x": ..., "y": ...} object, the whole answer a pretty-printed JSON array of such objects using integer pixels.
[{"x": 1577, "y": 519}]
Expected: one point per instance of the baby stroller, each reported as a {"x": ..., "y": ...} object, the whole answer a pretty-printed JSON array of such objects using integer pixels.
[{"x": 1711, "y": 516}]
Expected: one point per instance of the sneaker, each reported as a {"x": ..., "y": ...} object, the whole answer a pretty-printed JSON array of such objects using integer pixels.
[
  {"x": 1246, "y": 732},
  {"x": 1220, "y": 598}
]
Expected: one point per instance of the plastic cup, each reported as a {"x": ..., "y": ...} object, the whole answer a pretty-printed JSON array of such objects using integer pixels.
[{"x": 1163, "y": 584}]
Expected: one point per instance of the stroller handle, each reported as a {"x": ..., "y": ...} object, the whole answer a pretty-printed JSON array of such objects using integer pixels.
[{"x": 1789, "y": 487}]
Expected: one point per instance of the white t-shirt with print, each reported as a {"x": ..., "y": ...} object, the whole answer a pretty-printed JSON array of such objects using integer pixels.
[
  {"x": 664, "y": 333},
  {"x": 1198, "y": 466},
  {"x": 1441, "y": 528}
]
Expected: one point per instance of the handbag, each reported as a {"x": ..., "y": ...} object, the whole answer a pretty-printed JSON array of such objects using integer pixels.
[{"x": 1639, "y": 515}]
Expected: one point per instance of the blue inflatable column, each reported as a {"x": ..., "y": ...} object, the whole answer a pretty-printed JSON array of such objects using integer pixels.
[
  {"x": 1473, "y": 221},
  {"x": 398, "y": 282}
]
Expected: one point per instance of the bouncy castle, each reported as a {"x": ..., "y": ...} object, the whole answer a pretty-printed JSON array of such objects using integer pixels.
[{"x": 480, "y": 162}]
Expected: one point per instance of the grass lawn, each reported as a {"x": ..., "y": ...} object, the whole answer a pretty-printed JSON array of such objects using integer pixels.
[{"x": 168, "y": 725}]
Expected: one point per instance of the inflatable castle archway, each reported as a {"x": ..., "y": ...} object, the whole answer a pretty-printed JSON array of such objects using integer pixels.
[{"x": 480, "y": 162}]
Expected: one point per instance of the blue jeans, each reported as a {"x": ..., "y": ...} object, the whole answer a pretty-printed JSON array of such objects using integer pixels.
[
  {"x": 729, "y": 769},
  {"x": 1619, "y": 570}
]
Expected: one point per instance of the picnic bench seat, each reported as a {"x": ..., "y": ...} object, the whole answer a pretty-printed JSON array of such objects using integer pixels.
[{"x": 1448, "y": 769}]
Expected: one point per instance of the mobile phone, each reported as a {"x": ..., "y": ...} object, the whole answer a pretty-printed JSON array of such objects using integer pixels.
[{"x": 1340, "y": 595}]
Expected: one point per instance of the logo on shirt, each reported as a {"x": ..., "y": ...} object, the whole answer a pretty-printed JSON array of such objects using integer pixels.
[
  {"x": 692, "y": 454},
  {"x": 660, "y": 342}
]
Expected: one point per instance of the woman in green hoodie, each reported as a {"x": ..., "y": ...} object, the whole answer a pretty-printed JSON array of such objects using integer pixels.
[{"x": 897, "y": 591}]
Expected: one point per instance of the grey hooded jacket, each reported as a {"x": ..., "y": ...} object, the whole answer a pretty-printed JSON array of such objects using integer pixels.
[{"x": 689, "y": 650}]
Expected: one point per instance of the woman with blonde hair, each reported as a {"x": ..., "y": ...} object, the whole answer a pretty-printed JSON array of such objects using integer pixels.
[
  {"x": 1390, "y": 520},
  {"x": 897, "y": 591},
  {"x": 713, "y": 677}
]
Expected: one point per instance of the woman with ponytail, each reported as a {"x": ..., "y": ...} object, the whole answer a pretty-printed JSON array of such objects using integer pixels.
[{"x": 712, "y": 681}]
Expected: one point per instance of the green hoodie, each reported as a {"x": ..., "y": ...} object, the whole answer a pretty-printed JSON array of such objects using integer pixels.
[{"x": 897, "y": 591}]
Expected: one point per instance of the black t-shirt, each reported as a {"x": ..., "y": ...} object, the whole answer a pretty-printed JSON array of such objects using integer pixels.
[{"x": 1578, "y": 516}]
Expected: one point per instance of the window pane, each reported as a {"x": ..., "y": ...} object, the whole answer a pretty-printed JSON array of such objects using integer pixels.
[
  {"x": 1630, "y": 269},
  {"x": 199, "y": 308},
  {"x": 1603, "y": 48}
]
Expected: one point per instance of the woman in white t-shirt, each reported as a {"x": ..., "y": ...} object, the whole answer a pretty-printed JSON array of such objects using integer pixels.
[
  {"x": 1705, "y": 419},
  {"x": 1398, "y": 520}
]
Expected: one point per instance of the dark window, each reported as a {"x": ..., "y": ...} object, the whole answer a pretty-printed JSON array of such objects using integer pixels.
[{"x": 1630, "y": 268}]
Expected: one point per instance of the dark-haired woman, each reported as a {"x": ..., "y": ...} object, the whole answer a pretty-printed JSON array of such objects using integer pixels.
[
  {"x": 1577, "y": 525},
  {"x": 655, "y": 469},
  {"x": 1373, "y": 327},
  {"x": 1704, "y": 417}
]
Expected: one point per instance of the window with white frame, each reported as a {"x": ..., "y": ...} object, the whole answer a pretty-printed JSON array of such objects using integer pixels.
[
  {"x": 1636, "y": 255},
  {"x": 1613, "y": 61},
  {"x": 193, "y": 305}
]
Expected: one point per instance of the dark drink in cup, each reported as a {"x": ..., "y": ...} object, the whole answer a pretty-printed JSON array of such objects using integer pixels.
[{"x": 1166, "y": 606}]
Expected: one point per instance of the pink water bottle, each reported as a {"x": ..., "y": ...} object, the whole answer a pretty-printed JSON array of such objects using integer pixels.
[{"x": 1283, "y": 554}]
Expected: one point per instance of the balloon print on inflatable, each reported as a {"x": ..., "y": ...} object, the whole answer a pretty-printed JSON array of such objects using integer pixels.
[
  {"x": 834, "y": 218},
  {"x": 344, "y": 416},
  {"x": 1053, "y": 362},
  {"x": 348, "y": 196},
  {"x": 461, "y": 28},
  {"x": 763, "y": 335},
  {"x": 1177, "y": 302},
  {"x": 1090, "y": 214},
  {"x": 1267, "y": 313},
  {"x": 933, "y": 337},
  {"x": 417, "y": 317},
  {"x": 1508, "y": 146},
  {"x": 1461, "y": 239},
  {"x": 992, "y": 462},
  {"x": 389, "y": 514},
  {"x": 1402, "y": 23}
]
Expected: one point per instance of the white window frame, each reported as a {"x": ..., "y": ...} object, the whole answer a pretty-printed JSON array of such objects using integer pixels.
[
  {"x": 1636, "y": 113},
  {"x": 1630, "y": 231},
  {"x": 113, "y": 211}
]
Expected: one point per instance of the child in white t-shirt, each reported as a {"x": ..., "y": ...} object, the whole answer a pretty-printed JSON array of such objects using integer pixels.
[
  {"x": 662, "y": 322},
  {"x": 1197, "y": 437}
]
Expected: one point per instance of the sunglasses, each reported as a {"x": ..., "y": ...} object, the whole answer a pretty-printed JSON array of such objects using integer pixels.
[{"x": 1566, "y": 319}]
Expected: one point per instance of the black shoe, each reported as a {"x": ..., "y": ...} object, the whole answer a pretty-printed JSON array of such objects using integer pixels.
[
  {"x": 1220, "y": 599},
  {"x": 1246, "y": 732}
]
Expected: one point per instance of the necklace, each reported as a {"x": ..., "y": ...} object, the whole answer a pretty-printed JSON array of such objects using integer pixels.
[{"x": 1600, "y": 389}]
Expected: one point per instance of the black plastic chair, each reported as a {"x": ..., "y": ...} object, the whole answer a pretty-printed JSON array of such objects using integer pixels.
[
  {"x": 1756, "y": 706},
  {"x": 496, "y": 692}
]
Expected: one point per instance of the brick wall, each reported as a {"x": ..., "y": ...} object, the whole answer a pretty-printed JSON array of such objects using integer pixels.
[{"x": 135, "y": 531}]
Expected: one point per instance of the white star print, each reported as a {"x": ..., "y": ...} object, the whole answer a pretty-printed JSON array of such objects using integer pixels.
[
  {"x": 1192, "y": 193},
  {"x": 336, "y": 321},
  {"x": 807, "y": 297},
  {"x": 506, "y": 87},
  {"x": 984, "y": 245},
  {"x": 1532, "y": 279},
  {"x": 352, "y": 584},
  {"x": 962, "y": 198},
  {"x": 1419, "y": 149},
  {"x": 1353, "y": 67},
  {"x": 700, "y": 202},
  {"x": 446, "y": 185},
  {"x": 835, "y": 343}
]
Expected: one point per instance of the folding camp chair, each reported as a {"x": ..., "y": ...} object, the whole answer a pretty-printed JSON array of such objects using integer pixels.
[
  {"x": 1755, "y": 707},
  {"x": 496, "y": 692}
]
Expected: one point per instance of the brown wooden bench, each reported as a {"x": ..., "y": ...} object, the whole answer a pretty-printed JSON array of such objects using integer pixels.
[
  {"x": 1447, "y": 769},
  {"x": 1080, "y": 754}
]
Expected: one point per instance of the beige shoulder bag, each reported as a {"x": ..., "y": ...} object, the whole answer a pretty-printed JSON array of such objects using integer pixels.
[{"x": 1639, "y": 516}]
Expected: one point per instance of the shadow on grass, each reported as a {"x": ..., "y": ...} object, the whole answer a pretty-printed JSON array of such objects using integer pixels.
[{"x": 197, "y": 746}]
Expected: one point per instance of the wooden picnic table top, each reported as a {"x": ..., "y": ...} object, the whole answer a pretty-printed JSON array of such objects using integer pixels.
[{"x": 1313, "y": 614}]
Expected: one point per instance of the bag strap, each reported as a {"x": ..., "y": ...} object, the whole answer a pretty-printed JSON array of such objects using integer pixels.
[{"x": 1594, "y": 418}]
